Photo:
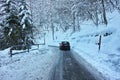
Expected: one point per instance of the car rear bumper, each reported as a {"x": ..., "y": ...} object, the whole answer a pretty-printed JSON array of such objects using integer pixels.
[{"x": 65, "y": 48}]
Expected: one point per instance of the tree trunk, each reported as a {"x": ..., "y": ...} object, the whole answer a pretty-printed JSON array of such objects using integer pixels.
[
  {"x": 104, "y": 13},
  {"x": 73, "y": 21},
  {"x": 52, "y": 30},
  {"x": 61, "y": 25},
  {"x": 77, "y": 22},
  {"x": 96, "y": 16},
  {"x": 52, "y": 27}
]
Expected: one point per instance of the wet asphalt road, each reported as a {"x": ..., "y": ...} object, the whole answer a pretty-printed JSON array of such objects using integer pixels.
[{"x": 68, "y": 68}]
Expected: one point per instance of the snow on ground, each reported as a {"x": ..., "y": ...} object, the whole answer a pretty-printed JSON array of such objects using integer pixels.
[
  {"x": 36, "y": 65},
  {"x": 107, "y": 60}
]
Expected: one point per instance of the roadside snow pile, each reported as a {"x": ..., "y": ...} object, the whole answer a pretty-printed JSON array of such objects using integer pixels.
[
  {"x": 35, "y": 65},
  {"x": 107, "y": 60}
]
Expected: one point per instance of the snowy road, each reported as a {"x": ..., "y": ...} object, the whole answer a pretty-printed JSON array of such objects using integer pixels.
[
  {"x": 68, "y": 69},
  {"x": 47, "y": 63}
]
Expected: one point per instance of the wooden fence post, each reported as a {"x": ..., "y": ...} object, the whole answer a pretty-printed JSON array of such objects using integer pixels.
[
  {"x": 28, "y": 48},
  {"x": 99, "y": 43},
  {"x": 38, "y": 46},
  {"x": 44, "y": 38},
  {"x": 10, "y": 52}
]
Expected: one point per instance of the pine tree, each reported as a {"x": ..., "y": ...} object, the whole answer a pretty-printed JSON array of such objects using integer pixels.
[
  {"x": 16, "y": 24},
  {"x": 10, "y": 22},
  {"x": 26, "y": 23}
]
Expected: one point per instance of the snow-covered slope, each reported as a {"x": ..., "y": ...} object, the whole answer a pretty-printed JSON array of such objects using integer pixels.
[
  {"x": 107, "y": 60},
  {"x": 85, "y": 43}
]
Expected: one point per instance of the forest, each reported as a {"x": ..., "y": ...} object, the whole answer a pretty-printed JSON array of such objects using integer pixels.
[{"x": 21, "y": 20}]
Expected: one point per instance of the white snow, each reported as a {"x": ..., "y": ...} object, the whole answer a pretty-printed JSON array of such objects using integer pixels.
[
  {"x": 7, "y": 1},
  {"x": 37, "y": 64},
  {"x": 10, "y": 32},
  {"x": 107, "y": 60}
]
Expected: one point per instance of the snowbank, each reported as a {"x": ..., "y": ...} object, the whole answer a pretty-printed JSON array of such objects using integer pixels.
[
  {"x": 107, "y": 60},
  {"x": 35, "y": 65}
]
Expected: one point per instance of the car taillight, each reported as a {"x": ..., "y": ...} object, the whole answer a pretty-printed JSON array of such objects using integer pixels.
[{"x": 61, "y": 44}]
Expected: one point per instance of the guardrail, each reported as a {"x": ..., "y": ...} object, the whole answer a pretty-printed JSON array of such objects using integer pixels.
[{"x": 21, "y": 47}]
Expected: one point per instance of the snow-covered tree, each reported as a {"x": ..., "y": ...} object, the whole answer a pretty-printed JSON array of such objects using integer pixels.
[
  {"x": 16, "y": 23},
  {"x": 10, "y": 22},
  {"x": 26, "y": 23}
]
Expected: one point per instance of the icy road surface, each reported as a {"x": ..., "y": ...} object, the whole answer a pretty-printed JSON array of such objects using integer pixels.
[
  {"x": 68, "y": 68},
  {"x": 48, "y": 63}
]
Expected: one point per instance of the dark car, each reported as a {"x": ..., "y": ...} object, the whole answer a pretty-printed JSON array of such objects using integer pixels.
[{"x": 64, "y": 45}]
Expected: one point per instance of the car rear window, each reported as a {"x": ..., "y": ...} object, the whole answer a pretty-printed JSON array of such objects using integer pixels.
[{"x": 65, "y": 42}]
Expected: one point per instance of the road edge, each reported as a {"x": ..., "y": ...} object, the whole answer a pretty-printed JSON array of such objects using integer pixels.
[{"x": 98, "y": 75}]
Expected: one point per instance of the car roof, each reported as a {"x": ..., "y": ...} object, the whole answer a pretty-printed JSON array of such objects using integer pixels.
[{"x": 65, "y": 42}]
